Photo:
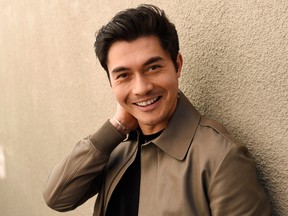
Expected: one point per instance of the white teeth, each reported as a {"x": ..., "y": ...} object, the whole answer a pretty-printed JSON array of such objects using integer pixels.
[{"x": 146, "y": 103}]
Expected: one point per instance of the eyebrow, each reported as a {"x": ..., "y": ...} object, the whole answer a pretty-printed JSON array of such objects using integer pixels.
[
  {"x": 153, "y": 60},
  {"x": 148, "y": 62},
  {"x": 119, "y": 69}
]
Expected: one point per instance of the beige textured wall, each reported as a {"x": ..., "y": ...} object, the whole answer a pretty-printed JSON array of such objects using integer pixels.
[{"x": 53, "y": 92}]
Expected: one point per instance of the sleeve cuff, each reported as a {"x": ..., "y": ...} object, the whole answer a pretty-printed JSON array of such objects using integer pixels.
[{"x": 106, "y": 138}]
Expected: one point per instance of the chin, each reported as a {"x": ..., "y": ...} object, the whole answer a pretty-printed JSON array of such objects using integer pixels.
[{"x": 151, "y": 121}]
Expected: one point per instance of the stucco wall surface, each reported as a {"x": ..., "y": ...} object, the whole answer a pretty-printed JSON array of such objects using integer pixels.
[{"x": 53, "y": 92}]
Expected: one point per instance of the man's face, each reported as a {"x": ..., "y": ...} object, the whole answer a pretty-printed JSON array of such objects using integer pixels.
[{"x": 144, "y": 81}]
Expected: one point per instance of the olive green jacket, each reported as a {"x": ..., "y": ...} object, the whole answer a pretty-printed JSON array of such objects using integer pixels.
[{"x": 193, "y": 168}]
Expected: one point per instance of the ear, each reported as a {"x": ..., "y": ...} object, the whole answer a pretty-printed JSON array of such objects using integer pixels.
[{"x": 179, "y": 62}]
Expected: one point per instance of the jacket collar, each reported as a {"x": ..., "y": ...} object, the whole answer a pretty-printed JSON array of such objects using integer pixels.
[{"x": 175, "y": 140}]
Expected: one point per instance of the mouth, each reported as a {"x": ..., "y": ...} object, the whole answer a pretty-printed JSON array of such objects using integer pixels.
[{"x": 147, "y": 102}]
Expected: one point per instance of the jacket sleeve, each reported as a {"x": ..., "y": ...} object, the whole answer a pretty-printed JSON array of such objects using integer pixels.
[
  {"x": 235, "y": 189},
  {"x": 78, "y": 177}
]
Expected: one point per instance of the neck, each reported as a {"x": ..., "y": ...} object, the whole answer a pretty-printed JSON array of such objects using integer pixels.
[{"x": 148, "y": 130}]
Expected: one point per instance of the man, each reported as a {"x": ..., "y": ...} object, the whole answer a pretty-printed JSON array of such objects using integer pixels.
[{"x": 157, "y": 155}]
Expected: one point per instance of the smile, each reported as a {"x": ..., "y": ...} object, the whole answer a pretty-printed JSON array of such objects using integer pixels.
[{"x": 148, "y": 102}]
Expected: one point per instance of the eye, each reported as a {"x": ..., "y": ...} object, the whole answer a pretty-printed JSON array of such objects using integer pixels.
[
  {"x": 122, "y": 76},
  {"x": 154, "y": 67}
]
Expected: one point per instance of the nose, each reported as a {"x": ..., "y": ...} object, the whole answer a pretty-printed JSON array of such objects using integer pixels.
[{"x": 142, "y": 85}]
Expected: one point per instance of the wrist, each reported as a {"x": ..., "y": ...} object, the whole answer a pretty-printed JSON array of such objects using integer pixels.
[{"x": 119, "y": 126}]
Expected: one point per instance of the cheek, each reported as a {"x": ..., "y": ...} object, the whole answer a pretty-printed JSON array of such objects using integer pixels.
[
  {"x": 120, "y": 95},
  {"x": 169, "y": 82}
]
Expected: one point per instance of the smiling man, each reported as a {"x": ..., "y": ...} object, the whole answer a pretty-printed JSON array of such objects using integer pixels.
[
  {"x": 157, "y": 155},
  {"x": 144, "y": 81}
]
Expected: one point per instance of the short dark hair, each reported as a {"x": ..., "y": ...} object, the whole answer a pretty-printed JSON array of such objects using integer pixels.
[{"x": 132, "y": 23}]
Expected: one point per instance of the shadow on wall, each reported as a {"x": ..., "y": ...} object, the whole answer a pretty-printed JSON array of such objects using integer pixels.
[{"x": 230, "y": 81}]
